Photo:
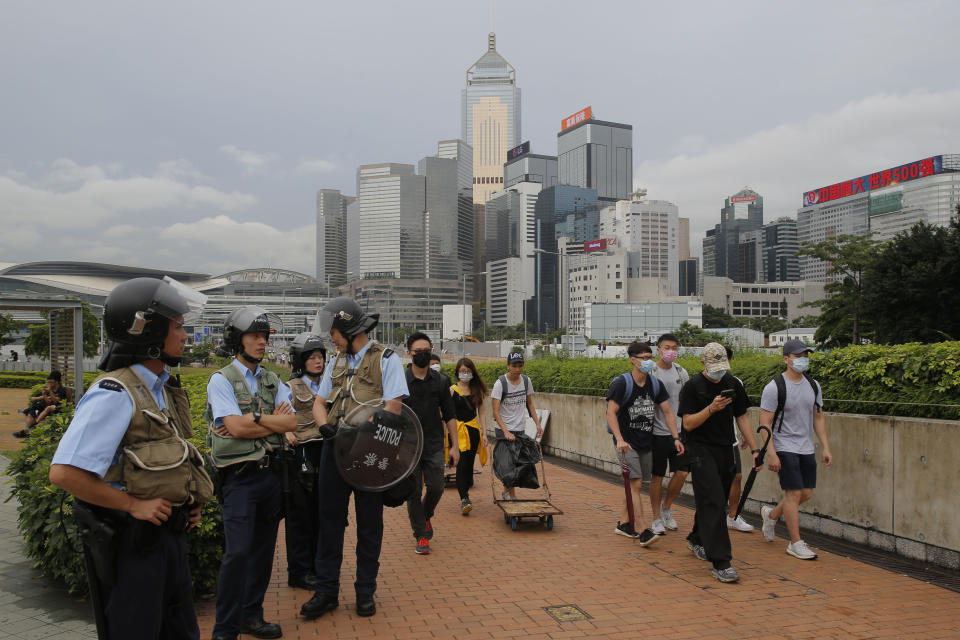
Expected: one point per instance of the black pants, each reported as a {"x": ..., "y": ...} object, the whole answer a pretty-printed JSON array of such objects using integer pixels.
[
  {"x": 712, "y": 469},
  {"x": 421, "y": 506},
  {"x": 302, "y": 526},
  {"x": 252, "y": 506},
  {"x": 465, "y": 465},
  {"x": 153, "y": 597},
  {"x": 334, "y": 500}
]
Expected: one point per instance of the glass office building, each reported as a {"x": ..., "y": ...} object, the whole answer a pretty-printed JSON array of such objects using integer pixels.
[
  {"x": 490, "y": 118},
  {"x": 597, "y": 155}
]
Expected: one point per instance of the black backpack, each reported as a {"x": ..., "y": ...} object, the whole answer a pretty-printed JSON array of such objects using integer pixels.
[{"x": 781, "y": 383}]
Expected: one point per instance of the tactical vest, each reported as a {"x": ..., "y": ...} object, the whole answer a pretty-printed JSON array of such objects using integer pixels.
[
  {"x": 307, "y": 429},
  {"x": 156, "y": 458},
  {"x": 227, "y": 450},
  {"x": 353, "y": 387}
]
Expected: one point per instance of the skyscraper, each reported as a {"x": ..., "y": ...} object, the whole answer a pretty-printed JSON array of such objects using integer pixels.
[
  {"x": 594, "y": 154},
  {"x": 463, "y": 153},
  {"x": 390, "y": 225},
  {"x": 490, "y": 118},
  {"x": 743, "y": 211},
  {"x": 332, "y": 235}
]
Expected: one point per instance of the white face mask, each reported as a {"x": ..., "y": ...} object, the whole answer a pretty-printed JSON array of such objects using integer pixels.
[
  {"x": 465, "y": 377},
  {"x": 435, "y": 366}
]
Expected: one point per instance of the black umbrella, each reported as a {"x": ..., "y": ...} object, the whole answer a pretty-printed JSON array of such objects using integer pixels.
[{"x": 753, "y": 471}]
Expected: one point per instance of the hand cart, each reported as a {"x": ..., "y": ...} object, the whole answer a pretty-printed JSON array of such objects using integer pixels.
[{"x": 529, "y": 503}]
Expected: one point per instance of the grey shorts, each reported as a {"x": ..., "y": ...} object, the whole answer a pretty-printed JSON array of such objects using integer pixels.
[{"x": 640, "y": 464}]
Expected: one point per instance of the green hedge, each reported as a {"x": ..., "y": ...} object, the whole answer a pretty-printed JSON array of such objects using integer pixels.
[
  {"x": 28, "y": 379},
  {"x": 45, "y": 515},
  {"x": 919, "y": 380}
]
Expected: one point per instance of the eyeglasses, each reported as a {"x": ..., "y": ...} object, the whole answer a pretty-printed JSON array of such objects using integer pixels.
[
  {"x": 418, "y": 351},
  {"x": 643, "y": 356}
]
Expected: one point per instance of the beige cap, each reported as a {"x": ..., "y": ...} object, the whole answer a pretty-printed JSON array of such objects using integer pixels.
[{"x": 715, "y": 358}]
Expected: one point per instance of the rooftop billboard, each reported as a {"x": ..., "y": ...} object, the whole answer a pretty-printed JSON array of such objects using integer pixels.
[
  {"x": 575, "y": 119},
  {"x": 865, "y": 184}
]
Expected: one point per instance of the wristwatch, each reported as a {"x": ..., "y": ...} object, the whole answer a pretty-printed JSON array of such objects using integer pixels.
[
  {"x": 256, "y": 417},
  {"x": 754, "y": 450}
]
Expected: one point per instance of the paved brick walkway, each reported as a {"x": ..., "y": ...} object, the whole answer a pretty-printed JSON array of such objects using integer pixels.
[{"x": 485, "y": 581}]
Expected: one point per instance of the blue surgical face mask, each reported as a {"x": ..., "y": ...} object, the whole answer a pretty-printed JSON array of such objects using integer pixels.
[
  {"x": 800, "y": 364},
  {"x": 647, "y": 366}
]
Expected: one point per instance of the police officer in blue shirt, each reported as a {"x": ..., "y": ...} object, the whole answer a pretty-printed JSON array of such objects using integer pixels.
[
  {"x": 362, "y": 371},
  {"x": 248, "y": 411},
  {"x": 302, "y": 526},
  {"x": 126, "y": 459}
]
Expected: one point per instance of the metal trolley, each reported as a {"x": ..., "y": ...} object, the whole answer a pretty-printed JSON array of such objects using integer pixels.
[{"x": 530, "y": 503}]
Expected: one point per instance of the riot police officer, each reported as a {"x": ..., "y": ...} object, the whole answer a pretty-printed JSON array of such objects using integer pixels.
[
  {"x": 139, "y": 483},
  {"x": 248, "y": 411},
  {"x": 307, "y": 359},
  {"x": 361, "y": 371}
]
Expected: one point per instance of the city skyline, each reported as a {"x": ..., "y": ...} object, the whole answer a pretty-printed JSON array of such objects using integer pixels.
[{"x": 203, "y": 146}]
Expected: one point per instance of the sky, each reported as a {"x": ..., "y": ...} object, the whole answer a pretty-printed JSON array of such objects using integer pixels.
[{"x": 194, "y": 135}]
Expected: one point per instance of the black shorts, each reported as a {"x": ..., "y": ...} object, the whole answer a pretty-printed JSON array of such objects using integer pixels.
[
  {"x": 664, "y": 450},
  {"x": 797, "y": 471},
  {"x": 736, "y": 460}
]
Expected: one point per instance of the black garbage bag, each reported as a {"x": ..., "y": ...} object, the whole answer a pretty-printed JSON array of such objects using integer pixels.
[{"x": 515, "y": 463}]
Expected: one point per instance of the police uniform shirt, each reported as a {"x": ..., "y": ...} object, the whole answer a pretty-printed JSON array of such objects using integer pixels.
[
  {"x": 394, "y": 380},
  {"x": 314, "y": 386},
  {"x": 220, "y": 394},
  {"x": 92, "y": 441}
]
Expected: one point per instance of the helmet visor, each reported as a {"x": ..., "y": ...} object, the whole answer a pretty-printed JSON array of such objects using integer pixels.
[
  {"x": 177, "y": 299},
  {"x": 254, "y": 319}
]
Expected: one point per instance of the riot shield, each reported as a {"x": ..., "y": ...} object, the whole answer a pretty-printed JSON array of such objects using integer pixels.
[{"x": 375, "y": 449}]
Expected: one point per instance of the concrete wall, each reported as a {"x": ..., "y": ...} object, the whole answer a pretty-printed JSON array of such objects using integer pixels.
[{"x": 893, "y": 484}]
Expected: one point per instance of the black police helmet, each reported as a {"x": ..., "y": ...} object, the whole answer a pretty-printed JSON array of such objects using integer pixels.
[
  {"x": 346, "y": 316},
  {"x": 136, "y": 318},
  {"x": 300, "y": 349},
  {"x": 249, "y": 319}
]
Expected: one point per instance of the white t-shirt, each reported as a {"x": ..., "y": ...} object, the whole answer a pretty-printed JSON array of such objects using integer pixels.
[{"x": 513, "y": 404}]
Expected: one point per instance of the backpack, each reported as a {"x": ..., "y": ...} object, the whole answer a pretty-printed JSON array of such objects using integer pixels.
[
  {"x": 628, "y": 390},
  {"x": 782, "y": 397},
  {"x": 526, "y": 386}
]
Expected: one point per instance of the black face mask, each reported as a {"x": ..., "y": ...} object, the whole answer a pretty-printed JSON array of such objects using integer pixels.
[{"x": 421, "y": 359}]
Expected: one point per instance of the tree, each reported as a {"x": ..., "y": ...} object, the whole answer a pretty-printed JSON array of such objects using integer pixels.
[
  {"x": 37, "y": 342},
  {"x": 766, "y": 324},
  {"x": 913, "y": 287},
  {"x": 692, "y": 335},
  {"x": 806, "y": 320},
  {"x": 848, "y": 259},
  {"x": 716, "y": 318},
  {"x": 7, "y": 326}
]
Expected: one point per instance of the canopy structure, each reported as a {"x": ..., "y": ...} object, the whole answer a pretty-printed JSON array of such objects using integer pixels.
[{"x": 66, "y": 333}]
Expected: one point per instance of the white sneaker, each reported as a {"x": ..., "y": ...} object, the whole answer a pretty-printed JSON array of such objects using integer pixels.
[
  {"x": 799, "y": 549},
  {"x": 667, "y": 516},
  {"x": 769, "y": 526},
  {"x": 657, "y": 527},
  {"x": 739, "y": 524}
]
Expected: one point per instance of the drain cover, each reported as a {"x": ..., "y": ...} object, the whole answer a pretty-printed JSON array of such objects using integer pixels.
[{"x": 567, "y": 613}]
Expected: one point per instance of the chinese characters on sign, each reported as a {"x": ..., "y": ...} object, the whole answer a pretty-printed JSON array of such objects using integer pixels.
[
  {"x": 575, "y": 119},
  {"x": 911, "y": 171},
  {"x": 518, "y": 151}
]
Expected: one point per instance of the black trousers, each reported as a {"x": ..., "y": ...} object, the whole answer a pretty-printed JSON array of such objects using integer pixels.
[
  {"x": 712, "y": 469},
  {"x": 252, "y": 506},
  {"x": 153, "y": 597},
  {"x": 302, "y": 526},
  {"x": 422, "y": 504},
  {"x": 334, "y": 501},
  {"x": 465, "y": 465}
]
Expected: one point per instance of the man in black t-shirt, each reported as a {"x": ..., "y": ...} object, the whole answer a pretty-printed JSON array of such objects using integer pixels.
[
  {"x": 430, "y": 400},
  {"x": 709, "y": 402},
  {"x": 630, "y": 420}
]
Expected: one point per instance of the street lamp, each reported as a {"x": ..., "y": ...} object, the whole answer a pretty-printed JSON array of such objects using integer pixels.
[
  {"x": 524, "y": 303},
  {"x": 463, "y": 308},
  {"x": 565, "y": 307}
]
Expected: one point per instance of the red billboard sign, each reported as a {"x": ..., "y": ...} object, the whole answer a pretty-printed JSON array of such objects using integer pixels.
[
  {"x": 863, "y": 184},
  {"x": 743, "y": 199},
  {"x": 595, "y": 245},
  {"x": 575, "y": 119}
]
